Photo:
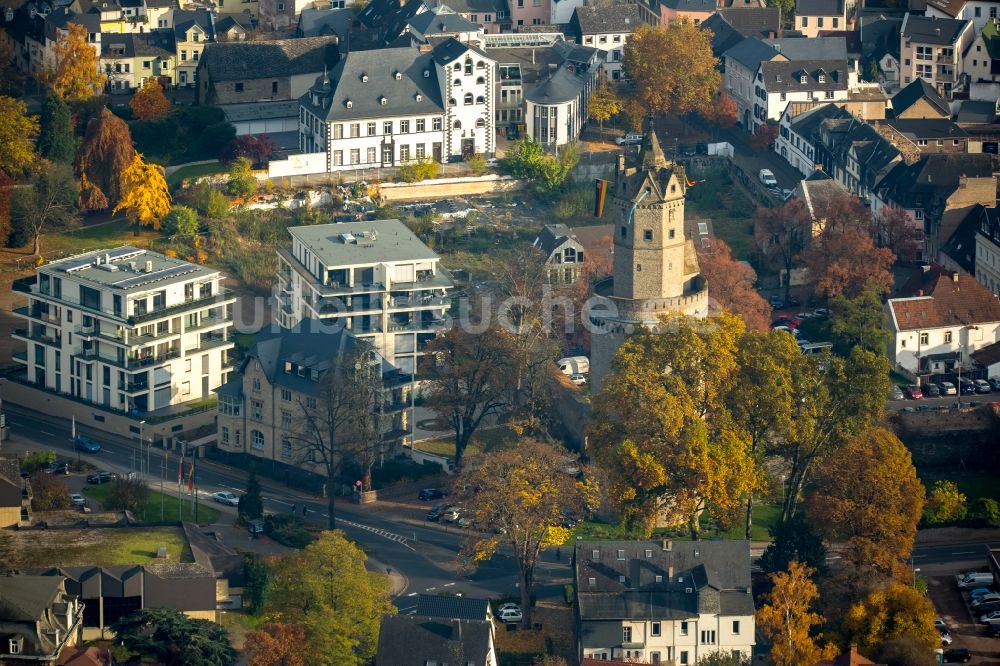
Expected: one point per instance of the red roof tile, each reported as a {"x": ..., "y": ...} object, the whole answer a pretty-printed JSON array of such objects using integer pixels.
[{"x": 946, "y": 300}]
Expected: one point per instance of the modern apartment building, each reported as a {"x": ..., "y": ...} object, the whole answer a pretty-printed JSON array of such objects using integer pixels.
[
  {"x": 376, "y": 278},
  {"x": 127, "y": 329}
]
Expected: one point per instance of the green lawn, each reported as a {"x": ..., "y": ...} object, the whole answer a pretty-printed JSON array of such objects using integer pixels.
[
  {"x": 194, "y": 171},
  {"x": 482, "y": 441},
  {"x": 717, "y": 199},
  {"x": 91, "y": 546},
  {"x": 972, "y": 484},
  {"x": 173, "y": 509}
]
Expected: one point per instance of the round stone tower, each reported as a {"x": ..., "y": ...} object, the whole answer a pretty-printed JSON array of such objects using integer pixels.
[{"x": 655, "y": 265}]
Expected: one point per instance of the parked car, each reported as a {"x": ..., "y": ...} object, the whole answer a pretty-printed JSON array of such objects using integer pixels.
[
  {"x": 822, "y": 312},
  {"x": 58, "y": 467},
  {"x": 465, "y": 522},
  {"x": 979, "y": 592},
  {"x": 787, "y": 320},
  {"x": 101, "y": 476},
  {"x": 957, "y": 656},
  {"x": 982, "y": 386},
  {"x": 776, "y": 302},
  {"x": 974, "y": 579},
  {"x": 434, "y": 515},
  {"x": 508, "y": 605},
  {"x": 966, "y": 387},
  {"x": 767, "y": 178},
  {"x": 578, "y": 379},
  {"x": 86, "y": 444},
  {"x": 452, "y": 514},
  {"x": 896, "y": 393},
  {"x": 78, "y": 500},
  {"x": 994, "y": 383},
  {"x": 629, "y": 140},
  {"x": 947, "y": 388},
  {"x": 985, "y": 599},
  {"x": 945, "y": 637},
  {"x": 226, "y": 497},
  {"x": 428, "y": 494},
  {"x": 930, "y": 390},
  {"x": 786, "y": 329},
  {"x": 990, "y": 617},
  {"x": 988, "y": 607},
  {"x": 510, "y": 615},
  {"x": 940, "y": 624},
  {"x": 913, "y": 392}
]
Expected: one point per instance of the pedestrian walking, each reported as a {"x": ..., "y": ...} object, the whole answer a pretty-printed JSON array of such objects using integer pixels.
[
  {"x": 304, "y": 509},
  {"x": 293, "y": 507}
]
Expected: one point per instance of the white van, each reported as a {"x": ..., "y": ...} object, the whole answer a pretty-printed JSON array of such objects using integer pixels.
[
  {"x": 815, "y": 348},
  {"x": 974, "y": 579},
  {"x": 574, "y": 365}
]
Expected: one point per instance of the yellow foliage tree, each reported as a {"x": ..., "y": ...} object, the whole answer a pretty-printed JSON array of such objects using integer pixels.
[
  {"x": 787, "y": 619},
  {"x": 149, "y": 101},
  {"x": 893, "y": 612},
  {"x": 76, "y": 76},
  {"x": 17, "y": 129},
  {"x": 145, "y": 197},
  {"x": 522, "y": 495}
]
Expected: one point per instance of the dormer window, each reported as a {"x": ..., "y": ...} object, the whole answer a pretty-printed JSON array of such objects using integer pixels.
[
  {"x": 15, "y": 646},
  {"x": 399, "y": 75},
  {"x": 427, "y": 73},
  {"x": 349, "y": 104},
  {"x": 802, "y": 79},
  {"x": 419, "y": 97},
  {"x": 822, "y": 78},
  {"x": 364, "y": 78},
  {"x": 777, "y": 77},
  {"x": 383, "y": 101}
]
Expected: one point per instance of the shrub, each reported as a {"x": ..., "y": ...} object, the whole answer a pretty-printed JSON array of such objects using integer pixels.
[
  {"x": 242, "y": 182},
  {"x": 288, "y": 530},
  {"x": 944, "y": 504},
  {"x": 49, "y": 493},
  {"x": 127, "y": 494},
  {"x": 214, "y": 138},
  {"x": 987, "y": 510},
  {"x": 423, "y": 169},
  {"x": 181, "y": 221},
  {"x": 477, "y": 164},
  {"x": 38, "y": 460}
]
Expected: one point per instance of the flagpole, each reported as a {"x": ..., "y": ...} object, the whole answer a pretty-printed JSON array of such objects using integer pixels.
[{"x": 163, "y": 476}]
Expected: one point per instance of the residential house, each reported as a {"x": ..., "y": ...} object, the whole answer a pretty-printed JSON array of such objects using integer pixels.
[
  {"x": 919, "y": 99},
  {"x": 15, "y": 494},
  {"x": 452, "y": 630},
  {"x": 855, "y": 154},
  {"x": 663, "y": 601},
  {"x": 555, "y": 109},
  {"x": 38, "y": 619},
  {"x": 798, "y": 135},
  {"x": 779, "y": 83},
  {"x": 979, "y": 120},
  {"x": 730, "y": 26},
  {"x": 742, "y": 65},
  {"x": 376, "y": 278},
  {"x": 607, "y": 29},
  {"x": 233, "y": 27},
  {"x": 931, "y": 48},
  {"x": 936, "y": 191},
  {"x": 524, "y": 13},
  {"x": 286, "y": 376},
  {"x": 282, "y": 69},
  {"x": 278, "y": 120},
  {"x": 987, "y": 248},
  {"x": 933, "y": 135},
  {"x": 564, "y": 254},
  {"x": 818, "y": 193},
  {"x": 440, "y": 23},
  {"x": 981, "y": 62},
  {"x": 127, "y": 329},
  {"x": 958, "y": 253},
  {"x": 693, "y": 11},
  {"x": 194, "y": 29},
  {"x": 109, "y": 593},
  {"x": 880, "y": 45},
  {"x": 387, "y": 19},
  {"x": 129, "y": 59},
  {"x": 813, "y": 16},
  {"x": 980, "y": 12},
  {"x": 943, "y": 318},
  {"x": 321, "y": 22},
  {"x": 987, "y": 360}
]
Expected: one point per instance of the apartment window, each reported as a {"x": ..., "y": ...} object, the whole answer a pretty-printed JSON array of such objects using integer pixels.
[
  {"x": 940, "y": 142},
  {"x": 387, "y": 127},
  {"x": 421, "y": 151},
  {"x": 286, "y": 449},
  {"x": 649, "y": 553},
  {"x": 372, "y": 155},
  {"x": 822, "y": 78},
  {"x": 421, "y": 125},
  {"x": 621, "y": 579},
  {"x": 256, "y": 385},
  {"x": 355, "y": 155},
  {"x": 404, "y": 126},
  {"x": 468, "y": 99},
  {"x": 684, "y": 628},
  {"x": 286, "y": 395},
  {"x": 225, "y": 435},
  {"x": 145, "y": 64},
  {"x": 621, "y": 554},
  {"x": 979, "y": 12},
  {"x": 474, "y": 18},
  {"x": 684, "y": 658},
  {"x": 184, "y": 55},
  {"x": 947, "y": 336},
  {"x": 659, "y": 579},
  {"x": 286, "y": 419},
  {"x": 436, "y": 124},
  {"x": 828, "y": 94},
  {"x": 836, "y": 22},
  {"x": 338, "y": 131},
  {"x": 736, "y": 627},
  {"x": 626, "y": 634},
  {"x": 355, "y": 130},
  {"x": 708, "y": 637},
  {"x": 595, "y": 554},
  {"x": 257, "y": 440},
  {"x": 805, "y": 21},
  {"x": 918, "y": 214},
  {"x": 311, "y": 456},
  {"x": 257, "y": 409},
  {"x": 404, "y": 153},
  {"x": 993, "y": 12},
  {"x": 921, "y": 142},
  {"x": 924, "y": 338},
  {"x": 655, "y": 630},
  {"x": 924, "y": 53},
  {"x": 338, "y": 158},
  {"x": 311, "y": 403},
  {"x": 592, "y": 581},
  {"x": 15, "y": 646},
  {"x": 274, "y": 87},
  {"x": 819, "y": 22}
]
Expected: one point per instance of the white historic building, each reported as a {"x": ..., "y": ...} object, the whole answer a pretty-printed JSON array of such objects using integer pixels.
[
  {"x": 392, "y": 106},
  {"x": 127, "y": 329}
]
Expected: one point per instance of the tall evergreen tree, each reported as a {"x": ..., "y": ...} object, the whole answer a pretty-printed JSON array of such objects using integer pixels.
[
  {"x": 55, "y": 141},
  {"x": 251, "y": 505}
]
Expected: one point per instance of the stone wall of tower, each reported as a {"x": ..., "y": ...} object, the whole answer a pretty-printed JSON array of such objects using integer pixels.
[{"x": 649, "y": 254}]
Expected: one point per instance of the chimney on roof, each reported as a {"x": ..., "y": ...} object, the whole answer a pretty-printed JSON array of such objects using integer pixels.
[
  {"x": 149, "y": 266},
  {"x": 920, "y": 292},
  {"x": 937, "y": 31},
  {"x": 954, "y": 276}
]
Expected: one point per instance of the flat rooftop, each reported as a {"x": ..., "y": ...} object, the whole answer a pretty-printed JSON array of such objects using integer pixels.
[
  {"x": 363, "y": 243},
  {"x": 128, "y": 269}
]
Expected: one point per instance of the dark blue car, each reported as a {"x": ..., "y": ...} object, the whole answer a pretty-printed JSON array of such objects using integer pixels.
[{"x": 86, "y": 444}]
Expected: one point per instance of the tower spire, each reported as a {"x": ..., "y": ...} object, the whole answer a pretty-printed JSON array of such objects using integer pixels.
[{"x": 652, "y": 155}]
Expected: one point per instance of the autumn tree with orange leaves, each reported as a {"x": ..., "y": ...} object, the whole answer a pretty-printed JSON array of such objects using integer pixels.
[
  {"x": 731, "y": 284},
  {"x": 277, "y": 644},
  {"x": 76, "y": 76},
  {"x": 149, "y": 101},
  {"x": 787, "y": 619},
  {"x": 105, "y": 153},
  {"x": 145, "y": 197}
]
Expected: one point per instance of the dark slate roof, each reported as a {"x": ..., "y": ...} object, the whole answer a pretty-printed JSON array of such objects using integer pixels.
[
  {"x": 750, "y": 21},
  {"x": 977, "y": 112},
  {"x": 157, "y": 43},
  {"x": 913, "y": 92},
  {"x": 185, "y": 18},
  {"x": 242, "y": 60},
  {"x": 562, "y": 85},
  {"x": 751, "y": 52},
  {"x": 440, "y": 20},
  {"x": 880, "y": 35},
  {"x": 783, "y": 76},
  {"x": 932, "y": 178},
  {"x": 807, "y": 124},
  {"x": 988, "y": 355},
  {"x": 724, "y": 35},
  {"x": 932, "y": 30},
  {"x": 690, "y": 5},
  {"x": 662, "y": 580},
  {"x": 380, "y": 68},
  {"x": 314, "y": 22},
  {"x": 552, "y": 236},
  {"x": 819, "y": 7},
  {"x": 813, "y": 48},
  {"x": 929, "y": 129},
  {"x": 226, "y": 22},
  {"x": 603, "y": 20},
  {"x": 26, "y": 598},
  {"x": 961, "y": 245},
  {"x": 389, "y": 17},
  {"x": 413, "y": 640},
  {"x": 450, "y": 607}
]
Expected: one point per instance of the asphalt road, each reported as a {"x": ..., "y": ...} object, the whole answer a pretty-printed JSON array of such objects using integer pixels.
[
  {"x": 427, "y": 556},
  {"x": 955, "y": 552}
]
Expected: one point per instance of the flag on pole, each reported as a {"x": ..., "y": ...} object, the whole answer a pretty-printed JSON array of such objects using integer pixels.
[
  {"x": 180, "y": 471},
  {"x": 600, "y": 195},
  {"x": 191, "y": 478}
]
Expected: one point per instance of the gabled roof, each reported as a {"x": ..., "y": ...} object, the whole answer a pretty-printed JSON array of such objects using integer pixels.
[
  {"x": 819, "y": 7},
  {"x": 977, "y": 112},
  {"x": 927, "y": 128},
  {"x": 619, "y": 18},
  {"x": 724, "y": 34},
  {"x": 413, "y": 640},
  {"x": 961, "y": 245},
  {"x": 751, "y": 52},
  {"x": 932, "y": 30},
  {"x": 156, "y": 43},
  {"x": 440, "y": 20},
  {"x": 804, "y": 75},
  {"x": 880, "y": 35},
  {"x": 551, "y": 237},
  {"x": 952, "y": 8},
  {"x": 915, "y": 91},
  {"x": 26, "y": 598},
  {"x": 450, "y": 607},
  {"x": 227, "y": 22},
  {"x": 932, "y": 178},
  {"x": 314, "y": 22},
  {"x": 243, "y": 60},
  {"x": 818, "y": 193},
  {"x": 690, "y": 5},
  {"x": 988, "y": 355},
  {"x": 185, "y": 18},
  {"x": 813, "y": 48},
  {"x": 750, "y": 21},
  {"x": 389, "y": 17},
  {"x": 948, "y": 300},
  {"x": 807, "y": 124}
]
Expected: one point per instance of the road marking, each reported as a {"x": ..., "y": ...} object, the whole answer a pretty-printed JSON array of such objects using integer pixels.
[
  {"x": 964, "y": 552},
  {"x": 44, "y": 432},
  {"x": 448, "y": 584},
  {"x": 15, "y": 424},
  {"x": 412, "y": 594},
  {"x": 430, "y": 589},
  {"x": 391, "y": 536}
]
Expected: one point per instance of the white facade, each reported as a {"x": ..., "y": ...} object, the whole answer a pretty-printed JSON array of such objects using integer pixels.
[
  {"x": 467, "y": 87},
  {"x": 341, "y": 272},
  {"x": 378, "y": 142},
  {"x": 553, "y": 124},
  {"x": 127, "y": 329},
  {"x": 795, "y": 149},
  {"x": 677, "y": 641},
  {"x": 613, "y": 45},
  {"x": 977, "y": 11},
  {"x": 740, "y": 86},
  {"x": 910, "y": 345}
]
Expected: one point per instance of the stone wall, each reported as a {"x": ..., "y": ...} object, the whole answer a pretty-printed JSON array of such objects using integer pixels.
[{"x": 443, "y": 188}]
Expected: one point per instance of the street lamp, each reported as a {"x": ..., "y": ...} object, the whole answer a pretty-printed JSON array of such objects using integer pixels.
[
  {"x": 141, "y": 424},
  {"x": 915, "y": 572}
]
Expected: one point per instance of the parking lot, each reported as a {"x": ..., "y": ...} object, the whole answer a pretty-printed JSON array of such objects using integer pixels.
[{"x": 967, "y": 633}]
